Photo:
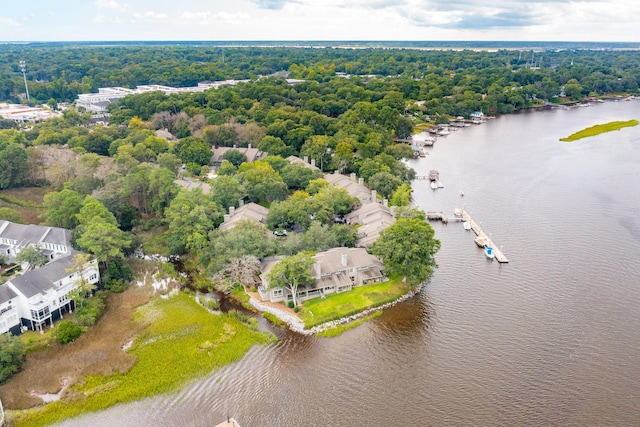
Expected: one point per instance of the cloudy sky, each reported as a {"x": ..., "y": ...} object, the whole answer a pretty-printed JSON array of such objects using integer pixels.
[{"x": 520, "y": 20}]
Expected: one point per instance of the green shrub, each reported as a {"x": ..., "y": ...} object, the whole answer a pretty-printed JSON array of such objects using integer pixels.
[
  {"x": 88, "y": 310},
  {"x": 291, "y": 304},
  {"x": 273, "y": 319},
  {"x": 12, "y": 351},
  {"x": 67, "y": 331},
  {"x": 115, "y": 286},
  {"x": 209, "y": 303}
]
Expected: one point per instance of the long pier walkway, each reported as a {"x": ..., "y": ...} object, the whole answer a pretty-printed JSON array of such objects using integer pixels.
[{"x": 499, "y": 256}]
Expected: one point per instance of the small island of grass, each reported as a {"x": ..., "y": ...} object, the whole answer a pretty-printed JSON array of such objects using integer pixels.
[{"x": 598, "y": 129}]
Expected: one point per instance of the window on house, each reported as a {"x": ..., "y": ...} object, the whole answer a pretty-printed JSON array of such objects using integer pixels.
[{"x": 40, "y": 314}]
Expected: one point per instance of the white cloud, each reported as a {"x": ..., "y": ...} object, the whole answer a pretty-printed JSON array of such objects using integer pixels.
[
  {"x": 204, "y": 17},
  {"x": 150, "y": 15},
  {"x": 195, "y": 15},
  {"x": 8, "y": 22},
  {"x": 108, "y": 4}
]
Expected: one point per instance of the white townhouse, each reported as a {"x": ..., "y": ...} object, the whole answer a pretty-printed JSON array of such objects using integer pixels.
[{"x": 40, "y": 296}]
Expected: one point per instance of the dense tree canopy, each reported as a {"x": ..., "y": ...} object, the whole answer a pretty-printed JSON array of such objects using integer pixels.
[{"x": 408, "y": 248}]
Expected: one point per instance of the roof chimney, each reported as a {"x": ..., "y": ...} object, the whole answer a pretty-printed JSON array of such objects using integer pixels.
[
  {"x": 241, "y": 202},
  {"x": 374, "y": 195},
  {"x": 313, "y": 162},
  {"x": 306, "y": 159},
  {"x": 361, "y": 181},
  {"x": 343, "y": 259},
  {"x": 250, "y": 147},
  {"x": 226, "y": 217},
  {"x": 317, "y": 268},
  {"x": 232, "y": 210},
  {"x": 353, "y": 177},
  {"x": 385, "y": 203}
]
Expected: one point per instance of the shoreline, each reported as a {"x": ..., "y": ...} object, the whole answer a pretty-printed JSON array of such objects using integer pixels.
[{"x": 294, "y": 324}]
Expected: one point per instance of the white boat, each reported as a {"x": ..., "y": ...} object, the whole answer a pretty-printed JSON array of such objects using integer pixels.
[
  {"x": 434, "y": 185},
  {"x": 457, "y": 212},
  {"x": 466, "y": 225},
  {"x": 488, "y": 251}
]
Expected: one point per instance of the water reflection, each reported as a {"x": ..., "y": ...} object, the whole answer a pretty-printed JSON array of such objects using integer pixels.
[{"x": 549, "y": 339}]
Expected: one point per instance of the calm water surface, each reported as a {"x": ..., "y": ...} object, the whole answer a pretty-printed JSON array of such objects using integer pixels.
[{"x": 551, "y": 338}]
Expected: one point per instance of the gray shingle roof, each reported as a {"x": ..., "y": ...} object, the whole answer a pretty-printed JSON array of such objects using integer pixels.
[
  {"x": 41, "y": 280},
  {"x": 6, "y": 294}
]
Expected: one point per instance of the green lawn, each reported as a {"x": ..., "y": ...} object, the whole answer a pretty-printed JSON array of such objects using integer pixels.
[
  {"x": 317, "y": 311},
  {"x": 182, "y": 341},
  {"x": 598, "y": 129}
]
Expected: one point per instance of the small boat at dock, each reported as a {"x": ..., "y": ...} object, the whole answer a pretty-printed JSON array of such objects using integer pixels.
[
  {"x": 488, "y": 251},
  {"x": 480, "y": 242},
  {"x": 434, "y": 185},
  {"x": 467, "y": 225}
]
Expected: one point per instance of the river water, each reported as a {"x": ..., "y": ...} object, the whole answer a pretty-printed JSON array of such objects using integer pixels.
[{"x": 551, "y": 338}]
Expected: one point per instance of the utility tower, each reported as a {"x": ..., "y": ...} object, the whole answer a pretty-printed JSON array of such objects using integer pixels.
[{"x": 23, "y": 68}]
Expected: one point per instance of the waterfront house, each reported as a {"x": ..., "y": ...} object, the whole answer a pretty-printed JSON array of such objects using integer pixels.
[
  {"x": 336, "y": 270},
  {"x": 40, "y": 296},
  {"x": 372, "y": 218}
]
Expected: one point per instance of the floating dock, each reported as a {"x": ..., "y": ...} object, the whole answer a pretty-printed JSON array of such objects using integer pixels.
[
  {"x": 499, "y": 256},
  {"x": 437, "y": 216}
]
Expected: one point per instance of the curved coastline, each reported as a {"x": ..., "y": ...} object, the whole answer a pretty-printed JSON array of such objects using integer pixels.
[{"x": 294, "y": 324}]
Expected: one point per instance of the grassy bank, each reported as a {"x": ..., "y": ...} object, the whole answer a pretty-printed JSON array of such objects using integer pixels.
[
  {"x": 180, "y": 341},
  {"x": 598, "y": 129},
  {"x": 317, "y": 311},
  {"x": 338, "y": 330}
]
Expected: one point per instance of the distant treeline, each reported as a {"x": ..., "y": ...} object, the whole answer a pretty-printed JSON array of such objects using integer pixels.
[{"x": 59, "y": 72}]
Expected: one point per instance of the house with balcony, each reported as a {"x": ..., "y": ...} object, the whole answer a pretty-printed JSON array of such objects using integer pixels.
[
  {"x": 36, "y": 297},
  {"x": 335, "y": 270}
]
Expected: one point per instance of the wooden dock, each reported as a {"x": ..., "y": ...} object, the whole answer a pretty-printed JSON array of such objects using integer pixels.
[
  {"x": 437, "y": 216},
  {"x": 499, "y": 256}
]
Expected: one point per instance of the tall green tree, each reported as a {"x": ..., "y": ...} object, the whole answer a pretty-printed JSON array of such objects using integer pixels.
[
  {"x": 261, "y": 182},
  {"x": 191, "y": 216},
  {"x": 12, "y": 351},
  {"x": 408, "y": 248},
  {"x": 62, "y": 208},
  {"x": 292, "y": 272}
]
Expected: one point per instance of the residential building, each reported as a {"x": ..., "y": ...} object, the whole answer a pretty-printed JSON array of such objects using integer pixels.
[
  {"x": 190, "y": 184},
  {"x": 304, "y": 161},
  {"x": 372, "y": 218},
  {"x": 250, "y": 211},
  {"x": 336, "y": 270},
  {"x": 42, "y": 295},
  {"x": 353, "y": 185},
  {"x": 250, "y": 152}
]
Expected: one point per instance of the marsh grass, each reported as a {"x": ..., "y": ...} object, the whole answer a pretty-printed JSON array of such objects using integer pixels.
[
  {"x": 598, "y": 129},
  {"x": 26, "y": 201},
  {"x": 338, "y": 330},
  {"x": 180, "y": 342}
]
